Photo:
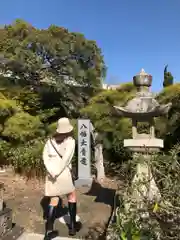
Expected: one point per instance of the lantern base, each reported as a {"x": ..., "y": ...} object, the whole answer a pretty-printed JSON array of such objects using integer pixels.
[
  {"x": 14, "y": 233},
  {"x": 8, "y": 231}
]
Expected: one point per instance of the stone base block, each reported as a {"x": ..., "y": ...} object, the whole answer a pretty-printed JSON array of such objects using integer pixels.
[
  {"x": 8, "y": 230},
  {"x": 14, "y": 233},
  {"x": 5, "y": 221},
  {"x": 146, "y": 144},
  {"x": 81, "y": 182}
]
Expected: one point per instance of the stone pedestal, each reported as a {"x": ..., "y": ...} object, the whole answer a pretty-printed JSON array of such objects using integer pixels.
[
  {"x": 143, "y": 186},
  {"x": 143, "y": 183},
  {"x": 5, "y": 221},
  {"x": 83, "y": 182},
  {"x": 141, "y": 144}
]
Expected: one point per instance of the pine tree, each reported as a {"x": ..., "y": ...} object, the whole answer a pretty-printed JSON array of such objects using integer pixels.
[{"x": 168, "y": 78}]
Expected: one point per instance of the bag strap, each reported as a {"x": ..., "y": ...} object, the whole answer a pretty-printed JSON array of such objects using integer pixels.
[
  {"x": 58, "y": 154},
  {"x": 55, "y": 148}
]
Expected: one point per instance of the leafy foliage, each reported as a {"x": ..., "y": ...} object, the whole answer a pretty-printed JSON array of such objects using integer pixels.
[
  {"x": 44, "y": 74},
  {"x": 61, "y": 66},
  {"x": 22, "y": 127},
  {"x": 169, "y": 127},
  {"x": 27, "y": 158},
  {"x": 164, "y": 216},
  {"x": 112, "y": 129}
]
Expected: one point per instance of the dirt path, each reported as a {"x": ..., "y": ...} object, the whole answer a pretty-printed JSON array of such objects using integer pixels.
[{"x": 24, "y": 197}]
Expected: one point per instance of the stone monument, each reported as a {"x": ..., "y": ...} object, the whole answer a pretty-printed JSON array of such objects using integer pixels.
[
  {"x": 8, "y": 231},
  {"x": 143, "y": 108},
  {"x": 85, "y": 131},
  {"x": 98, "y": 154},
  {"x": 84, "y": 154}
]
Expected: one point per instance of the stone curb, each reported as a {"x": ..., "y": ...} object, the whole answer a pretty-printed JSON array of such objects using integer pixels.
[{"x": 34, "y": 236}]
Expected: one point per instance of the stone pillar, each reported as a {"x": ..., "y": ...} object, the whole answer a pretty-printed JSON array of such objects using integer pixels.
[
  {"x": 98, "y": 155},
  {"x": 1, "y": 196},
  {"x": 84, "y": 154},
  {"x": 134, "y": 128},
  {"x": 152, "y": 128},
  {"x": 99, "y": 162}
]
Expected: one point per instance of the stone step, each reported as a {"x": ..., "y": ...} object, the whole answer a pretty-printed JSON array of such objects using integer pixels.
[{"x": 35, "y": 236}]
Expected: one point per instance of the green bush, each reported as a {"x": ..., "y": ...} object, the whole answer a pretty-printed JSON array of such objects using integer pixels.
[
  {"x": 164, "y": 216},
  {"x": 113, "y": 129},
  {"x": 4, "y": 152},
  {"x": 23, "y": 127},
  {"x": 26, "y": 156},
  {"x": 20, "y": 134},
  {"x": 26, "y": 159},
  {"x": 7, "y": 109},
  {"x": 51, "y": 128},
  {"x": 169, "y": 127}
]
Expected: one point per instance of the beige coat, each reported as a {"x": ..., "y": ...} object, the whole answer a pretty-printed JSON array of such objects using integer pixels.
[{"x": 58, "y": 179}]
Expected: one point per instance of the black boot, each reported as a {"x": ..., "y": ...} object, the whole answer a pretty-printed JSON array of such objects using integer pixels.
[
  {"x": 72, "y": 213},
  {"x": 50, "y": 223}
]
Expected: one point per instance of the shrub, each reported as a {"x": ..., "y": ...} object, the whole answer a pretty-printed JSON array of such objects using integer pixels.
[
  {"x": 26, "y": 159},
  {"x": 26, "y": 156},
  {"x": 21, "y": 138},
  {"x": 169, "y": 128},
  {"x": 164, "y": 216},
  {"x": 23, "y": 127},
  {"x": 112, "y": 129},
  {"x": 4, "y": 152},
  {"x": 7, "y": 109}
]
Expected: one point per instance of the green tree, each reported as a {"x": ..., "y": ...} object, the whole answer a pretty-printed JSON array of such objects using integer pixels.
[
  {"x": 169, "y": 127},
  {"x": 64, "y": 67},
  {"x": 112, "y": 129},
  {"x": 168, "y": 77},
  {"x": 44, "y": 74}
]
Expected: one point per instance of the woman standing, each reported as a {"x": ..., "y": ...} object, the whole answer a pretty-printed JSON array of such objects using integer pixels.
[{"x": 57, "y": 156}]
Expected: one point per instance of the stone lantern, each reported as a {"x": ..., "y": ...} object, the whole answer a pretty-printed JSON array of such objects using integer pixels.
[{"x": 143, "y": 108}]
